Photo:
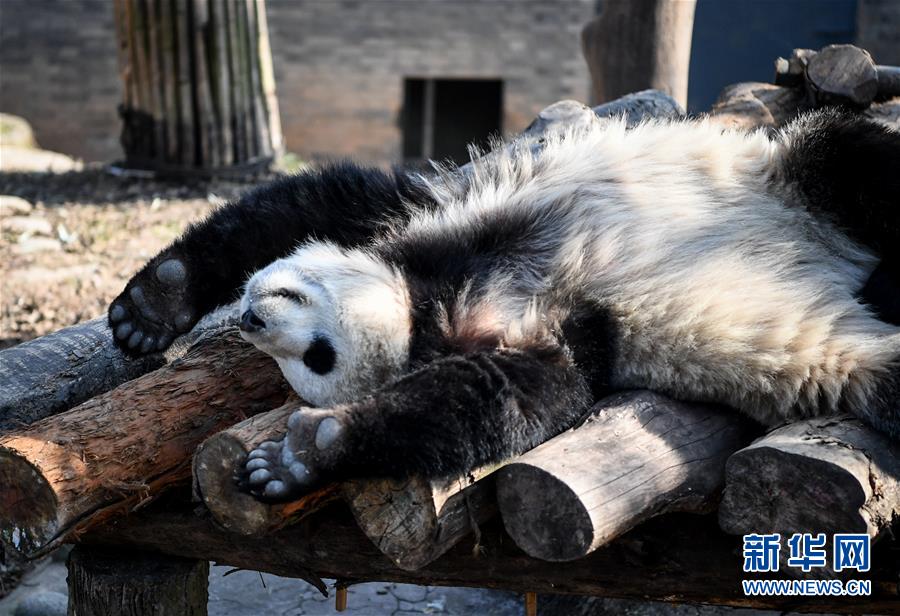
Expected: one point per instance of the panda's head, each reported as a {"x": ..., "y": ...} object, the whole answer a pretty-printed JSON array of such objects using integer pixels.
[{"x": 336, "y": 321}]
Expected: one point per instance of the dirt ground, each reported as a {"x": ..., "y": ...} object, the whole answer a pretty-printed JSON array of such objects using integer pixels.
[{"x": 85, "y": 235}]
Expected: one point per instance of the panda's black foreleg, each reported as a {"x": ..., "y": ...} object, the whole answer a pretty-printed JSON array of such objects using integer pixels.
[
  {"x": 453, "y": 415},
  {"x": 207, "y": 266}
]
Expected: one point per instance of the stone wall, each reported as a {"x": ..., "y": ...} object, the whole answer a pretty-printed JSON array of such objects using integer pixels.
[{"x": 339, "y": 66}]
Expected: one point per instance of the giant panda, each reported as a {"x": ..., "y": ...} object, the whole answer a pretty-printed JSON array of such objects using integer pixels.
[{"x": 436, "y": 322}]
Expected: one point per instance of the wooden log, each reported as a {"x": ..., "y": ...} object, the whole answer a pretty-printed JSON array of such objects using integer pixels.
[
  {"x": 791, "y": 72},
  {"x": 679, "y": 558},
  {"x": 103, "y": 582},
  {"x": 638, "y": 44},
  {"x": 843, "y": 75},
  {"x": 821, "y": 475},
  {"x": 638, "y": 455},
  {"x": 216, "y": 461},
  {"x": 51, "y": 374},
  {"x": 412, "y": 521},
  {"x": 119, "y": 450},
  {"x": 750, "y": 105}
]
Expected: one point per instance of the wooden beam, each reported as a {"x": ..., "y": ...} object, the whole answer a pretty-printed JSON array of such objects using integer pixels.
[
  {"x": 679, "y": 558},
  {"x": 828, "y": 475},
  {"x": 119, "y": 450},
  {"x": 638, "y": 455},
  {"x": 105, "y": 581}
]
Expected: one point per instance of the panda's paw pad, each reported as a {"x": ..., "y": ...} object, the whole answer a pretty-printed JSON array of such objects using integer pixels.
[
  {"x": 280, "y": 471},
  {"x": 153, "y": 309}
]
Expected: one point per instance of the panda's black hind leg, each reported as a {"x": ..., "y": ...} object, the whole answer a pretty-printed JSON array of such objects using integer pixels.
[{"x": 847, "y": 169}]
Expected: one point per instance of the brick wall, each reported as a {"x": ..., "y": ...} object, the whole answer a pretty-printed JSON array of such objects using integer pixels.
[
  {"x": 58, "y": 69},
  {"x": 339, "y": 66}
]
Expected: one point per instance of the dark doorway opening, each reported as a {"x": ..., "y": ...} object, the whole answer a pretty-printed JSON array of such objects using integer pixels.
[{"x": 441, "y": 117}]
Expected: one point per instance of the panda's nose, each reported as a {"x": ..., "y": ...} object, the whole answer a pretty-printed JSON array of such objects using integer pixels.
[{"x": 251, "y": 323}]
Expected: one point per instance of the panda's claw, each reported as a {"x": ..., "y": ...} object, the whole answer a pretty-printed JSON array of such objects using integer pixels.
[{"x": 155, "y": 306}]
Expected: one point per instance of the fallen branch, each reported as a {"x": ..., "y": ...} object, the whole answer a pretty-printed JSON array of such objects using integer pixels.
[
  {"x": 821, "y": 475},
  {"x": 120, "y": 449},
  {"x": 639, "y": 455}
]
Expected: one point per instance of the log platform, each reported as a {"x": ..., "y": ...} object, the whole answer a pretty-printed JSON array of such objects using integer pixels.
[{"x": 607, "y": 518}]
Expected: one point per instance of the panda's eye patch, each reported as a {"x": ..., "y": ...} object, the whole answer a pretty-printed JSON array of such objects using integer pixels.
[{"x": 295, "y": 296}]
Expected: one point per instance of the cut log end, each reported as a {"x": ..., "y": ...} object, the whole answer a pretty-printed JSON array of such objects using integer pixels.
[
  {"x": 26, "y": 498},
  {"x": 770, "y": 489},
  {"x": 543, "y": 515},
  {"x": 214, "y": 466}
]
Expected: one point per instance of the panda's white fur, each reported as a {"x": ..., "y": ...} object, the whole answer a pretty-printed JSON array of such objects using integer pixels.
[
  {"x": 359, "y": 302},
  {"x": 721, "y": 286}
]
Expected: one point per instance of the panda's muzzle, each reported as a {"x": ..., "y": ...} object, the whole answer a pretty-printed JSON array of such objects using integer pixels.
[{"x": 251, "y": 323}]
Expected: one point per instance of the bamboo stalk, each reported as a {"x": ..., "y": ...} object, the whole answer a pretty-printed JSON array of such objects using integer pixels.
[
  {"x": 268, "y": 80},
  {"x": 221, "y": 71},
  {"x": 261, "y": 129},
  {"x": 185, "y": 95}
]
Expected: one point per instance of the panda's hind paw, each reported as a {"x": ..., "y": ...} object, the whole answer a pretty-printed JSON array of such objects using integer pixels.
[{"x": 153, "y": 309}]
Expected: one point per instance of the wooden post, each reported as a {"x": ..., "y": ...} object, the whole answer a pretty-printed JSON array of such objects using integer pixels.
[
  {"x": 640, "y": 454},
  {"x": 826, "y": 475},
  {"x": 637, "y": 44},
  {"x": 104, "y": 581},
  {"x": 121, "y": 449},
  {"x": 199, "y": 89}
]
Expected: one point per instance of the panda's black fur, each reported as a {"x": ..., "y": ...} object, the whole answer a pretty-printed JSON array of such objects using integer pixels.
[{"x": 450, "y": 321}]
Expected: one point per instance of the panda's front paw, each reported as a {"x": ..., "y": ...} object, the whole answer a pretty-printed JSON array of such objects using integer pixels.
[
  {"x": 154, "y": 308},
  {"x": 305, "y": 459}
]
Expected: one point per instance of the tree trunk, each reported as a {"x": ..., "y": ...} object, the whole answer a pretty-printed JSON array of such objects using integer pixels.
[
  {"x": 199, "y": 93},
  {"x": 104, "y": 581},
  {"x": 121, "y": 449},
  {"x": 638, "y": 44}
]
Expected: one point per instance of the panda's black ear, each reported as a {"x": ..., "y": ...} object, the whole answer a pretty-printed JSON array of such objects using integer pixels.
[{"x": 320, "y": 356}]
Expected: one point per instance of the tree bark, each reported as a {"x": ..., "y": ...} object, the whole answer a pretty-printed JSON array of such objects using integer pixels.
[
  {"x": 119, "y": 450},
  {"x": 103, "y": 582},
  {"x": 677, "y": 558},
  {"x": 199, "y": 88},
  {"x": 637, "y": 44},
  {"x": 639, "y": 455},
  {"x": 828, "y": 475},
  {"x": 56, "y": 372}
]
